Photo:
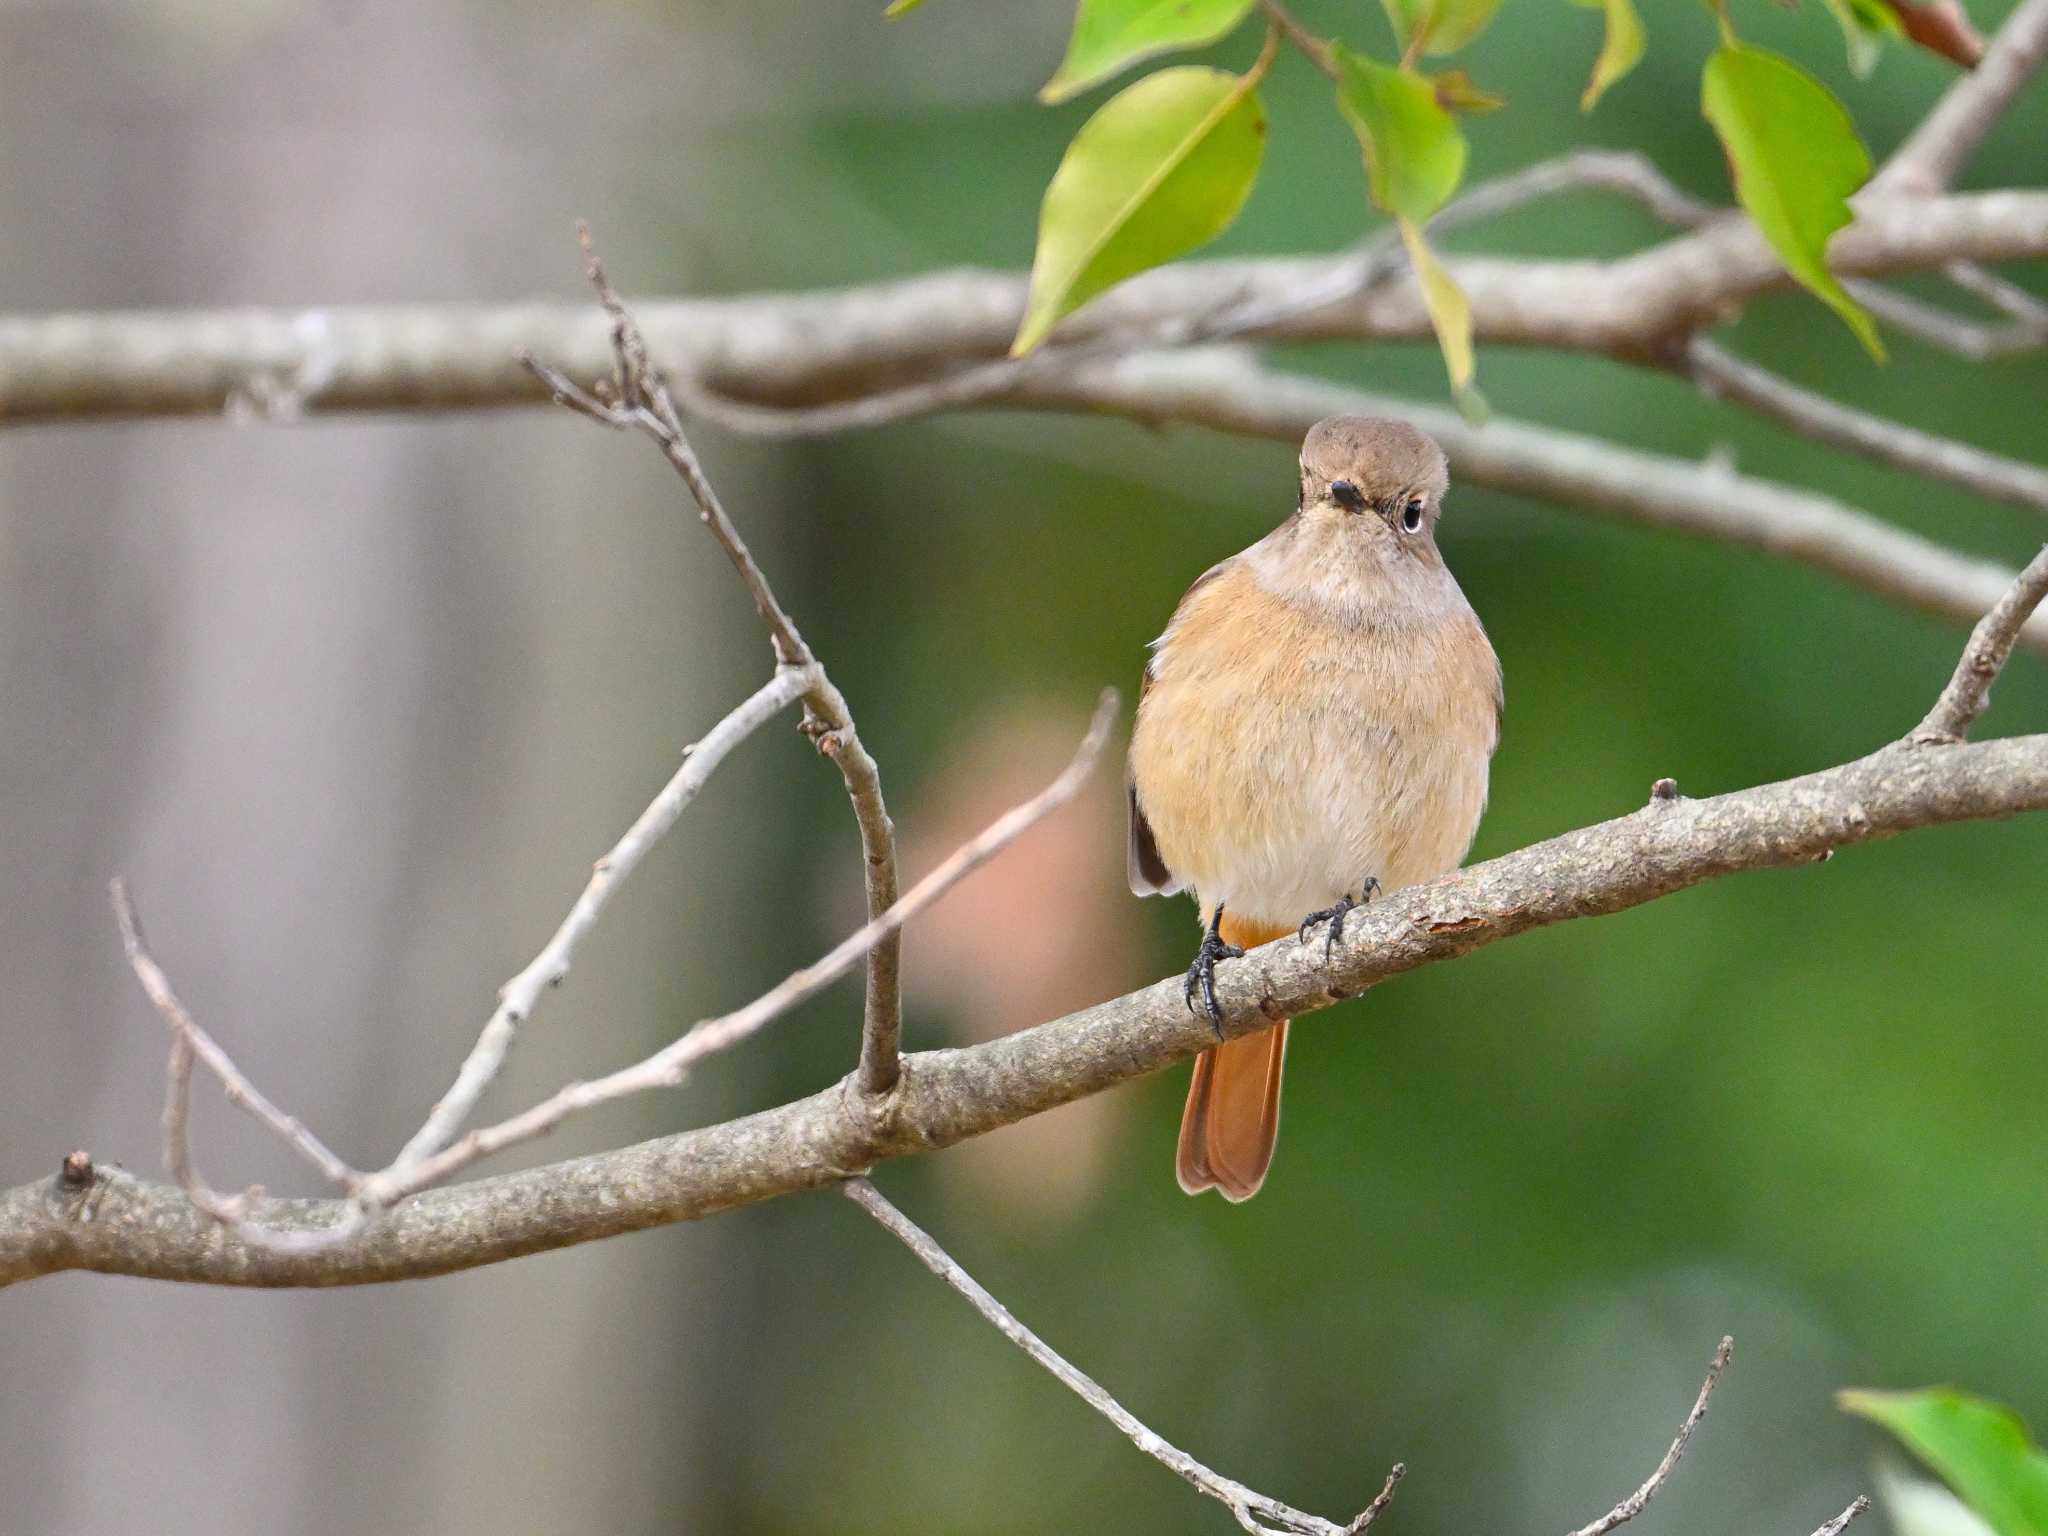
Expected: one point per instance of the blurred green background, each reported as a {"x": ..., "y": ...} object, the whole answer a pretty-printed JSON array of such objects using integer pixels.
[{"x": 1517, "y": 1199}]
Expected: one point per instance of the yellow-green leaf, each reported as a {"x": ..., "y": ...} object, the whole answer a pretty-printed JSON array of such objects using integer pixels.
[
  {"x": 1438, "y": 26},
  {"x": 1163, "y": 167},
  {"x": 1980, "y": 1449},
  {"x": 1111, "y": 35},
  {"x": 1414, "y": 155},
  {"x": 1457, "y": 91},
  {"x": 1450, "y": 312},
  {"x": 1414, "y": 149},
  {"x": 1621, "y": 47},
  {"x": 900, "y": 8},
  {"x": 1796, "y": 159}
]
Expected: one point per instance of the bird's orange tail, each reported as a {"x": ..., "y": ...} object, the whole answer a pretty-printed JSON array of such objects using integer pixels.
[{"x": 1232, "y": 1119}]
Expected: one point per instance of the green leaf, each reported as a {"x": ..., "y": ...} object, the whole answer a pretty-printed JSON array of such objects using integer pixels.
[
  {"x": 1414, "y": 155},
  {"x": 1111, "y": 35},
  {"x": 1414, "y": 149},
  {"x": 1163, "y": 167},
  {"x": 1621, "y": 48},
  {"x": 1438, "y": 26},
  {"x": 1865, "y": 25},
  {"x": 1796, "y": 159},
  {"x": 1980, "y": 1449},
  {"x": 1450, "y": 312},
  {"x": 900, "y": 8}
]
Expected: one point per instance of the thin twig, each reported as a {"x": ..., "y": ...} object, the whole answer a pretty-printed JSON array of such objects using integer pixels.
[
  {"x": 518, "y": 998},
  {"x": 239, "y": 1090},
  {"x": 1636, "y": 1502},
  {"x": 225, "y": 1209},
  {"x": 1944, "y": 328},
  {"x": 1936, "y": 150},
  {"x": 1380, "y": 1501},
  {"x": 1247, "y": 1504},
  {"x": 1313, "y": 48},
  {"x": 1812, "y": 415},
  {"x": 1840, "y": 1523},
  {"x": 643, "y": 402},
  {"x": 1991, "y": 643},
  {"x": 668, "y": 1067},
  {"x": 2001, "y": 293}
]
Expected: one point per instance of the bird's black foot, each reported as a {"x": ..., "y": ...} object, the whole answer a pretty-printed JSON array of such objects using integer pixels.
[
  {"x": 1202, "y": 974},
  {"x": 1335, "y": 916}
]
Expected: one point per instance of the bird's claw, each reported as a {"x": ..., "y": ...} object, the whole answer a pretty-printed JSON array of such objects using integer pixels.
[
  {"x": 1202, "y": 973},
  {"x": 1335, "y": 916}
]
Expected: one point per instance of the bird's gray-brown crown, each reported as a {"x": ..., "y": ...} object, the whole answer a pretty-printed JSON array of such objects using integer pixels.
[{"x": 1383, "y": 458}]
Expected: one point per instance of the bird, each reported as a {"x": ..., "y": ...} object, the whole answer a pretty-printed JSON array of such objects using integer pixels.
[{"x": 1314, "y": 725}]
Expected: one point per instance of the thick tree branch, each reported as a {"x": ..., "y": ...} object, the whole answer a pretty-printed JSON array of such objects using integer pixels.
[
  {"x": 801, "y": 349},
  {"x": 1939, "y": 147},
  {"x": 949, "y": 1096}
]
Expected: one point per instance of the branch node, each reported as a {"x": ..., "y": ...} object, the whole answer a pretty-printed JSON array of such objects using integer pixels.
[{"x": 77, "y": 1171}]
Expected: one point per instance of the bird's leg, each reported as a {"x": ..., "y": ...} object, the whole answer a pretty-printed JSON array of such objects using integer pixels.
[
  {"x": 1335, "y": 916},
  {"x": 1202, "y": 974}
]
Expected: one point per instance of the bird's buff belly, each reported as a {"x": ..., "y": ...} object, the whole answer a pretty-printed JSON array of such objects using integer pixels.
[{"x": 1305, "y": 823}]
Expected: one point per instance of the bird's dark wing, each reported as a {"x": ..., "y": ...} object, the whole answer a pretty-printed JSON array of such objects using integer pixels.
[{"x": 1148, "y": 873}]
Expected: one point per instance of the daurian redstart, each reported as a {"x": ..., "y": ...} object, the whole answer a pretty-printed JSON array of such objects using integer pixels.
[{"x": 1315, "y": 724}]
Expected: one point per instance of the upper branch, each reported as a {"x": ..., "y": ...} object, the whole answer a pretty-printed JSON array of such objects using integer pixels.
[
  {"x": 1946, "y": 138},
  {"x": 799, "y": 349}
]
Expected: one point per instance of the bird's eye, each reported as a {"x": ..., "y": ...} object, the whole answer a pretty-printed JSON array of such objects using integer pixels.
[
  {"x": 1411, "y": 515},
  {"x": 1347, "y": 495}
]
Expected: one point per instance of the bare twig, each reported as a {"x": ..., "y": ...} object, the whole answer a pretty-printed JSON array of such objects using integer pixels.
[
  {"x": 1249, "y": 1506},
  {"x": 1943, "y": 328},
  {"x": 1938, "y": 148},
  {"x": 239, "y": 1090},
  {"x": 225, "y": 1209},
  {"x": 668, "y": 1067},
  {"x": 1991, "y": 643},
  {"x": 643, "y": 401},
  {"x": 519, "y": 996},
  {"x": 1313, "y": 48},
  {"x": 1726, "y": 376},
  {"x": 1840, "y": 1523},
  {"x": 2001, "y": 294},
  {"x": 1638, "y": 1501},
  {"x": 1380, "y": 1501}
]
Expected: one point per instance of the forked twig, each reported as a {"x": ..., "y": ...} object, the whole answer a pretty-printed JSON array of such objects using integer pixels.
[
  {"x": 1636, "y": 1502},
  {"x": 1984, "y": 657},
  {"x": 668, "y": 1067}
]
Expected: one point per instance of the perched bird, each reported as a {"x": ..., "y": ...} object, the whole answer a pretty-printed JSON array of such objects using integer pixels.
[{"x": 1315, "y": 725}]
